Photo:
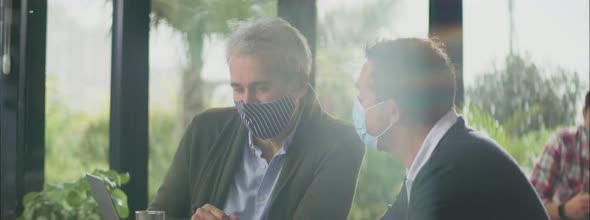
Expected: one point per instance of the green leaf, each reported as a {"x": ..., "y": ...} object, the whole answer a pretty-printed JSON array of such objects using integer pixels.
[
  {"x": 111, "y": 174},
  {"x": 120, "y": 200},
  {"x": 125, "y": 178},
  {"x": 73, "y": 198},
  {"x": 30, "y": 197}
]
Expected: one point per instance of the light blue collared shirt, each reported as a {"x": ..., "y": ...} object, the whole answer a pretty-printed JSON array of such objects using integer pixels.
[{"x": 254, "y": 181}]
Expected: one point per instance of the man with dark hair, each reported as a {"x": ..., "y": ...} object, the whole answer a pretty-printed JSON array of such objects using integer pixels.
[
  {"x": 406, "y": 107},
  {"x": 561, "y": 176}
]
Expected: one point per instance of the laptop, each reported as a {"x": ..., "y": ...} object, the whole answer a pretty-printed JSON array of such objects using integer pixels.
[{"x": 103, "y": 198}]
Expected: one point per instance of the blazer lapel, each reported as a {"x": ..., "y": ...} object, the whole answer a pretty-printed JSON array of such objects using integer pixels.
[
  {"x": 303, "y": 139},
  {"x": 293, "y": 160},
  {"x": 223, "y": 158}
]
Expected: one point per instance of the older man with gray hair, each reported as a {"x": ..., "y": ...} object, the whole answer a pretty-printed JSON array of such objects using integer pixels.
[{"x": 276, "y": 154}]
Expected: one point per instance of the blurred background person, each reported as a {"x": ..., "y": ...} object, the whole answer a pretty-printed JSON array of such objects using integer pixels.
[{"x": 561, "y": 176}]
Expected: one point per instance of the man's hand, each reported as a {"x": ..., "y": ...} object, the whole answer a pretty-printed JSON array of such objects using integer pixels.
[
  {"x": 578, "y": 207},
  {"x": 210, "y": 212}
]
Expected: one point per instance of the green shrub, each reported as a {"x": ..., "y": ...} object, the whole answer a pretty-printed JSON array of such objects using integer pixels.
[
  {"x": 74, "y": 200},
  {"x": 523, "y": 148}
]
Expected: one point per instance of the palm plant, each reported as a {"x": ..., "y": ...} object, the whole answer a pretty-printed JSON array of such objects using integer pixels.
[{"x": 197, "y": 20}]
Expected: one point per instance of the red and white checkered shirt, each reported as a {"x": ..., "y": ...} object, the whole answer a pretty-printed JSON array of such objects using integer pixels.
[{"x": 562, "y": 171}]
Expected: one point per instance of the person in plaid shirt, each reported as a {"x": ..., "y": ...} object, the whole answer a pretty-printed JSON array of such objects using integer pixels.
[{"x": 561, "y": 176}]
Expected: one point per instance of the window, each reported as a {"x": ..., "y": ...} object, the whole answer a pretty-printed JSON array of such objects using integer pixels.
[
  {"x": 78, "y": 88},
  {"x": 344, "y": 28},
  {"x": 525, "y": 70}
]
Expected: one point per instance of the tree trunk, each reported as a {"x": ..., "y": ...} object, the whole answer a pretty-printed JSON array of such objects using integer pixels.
[{"x": 192, "y": 84}]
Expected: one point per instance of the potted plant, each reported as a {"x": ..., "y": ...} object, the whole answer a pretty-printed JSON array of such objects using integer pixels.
[{"x": 74, "y": 200}]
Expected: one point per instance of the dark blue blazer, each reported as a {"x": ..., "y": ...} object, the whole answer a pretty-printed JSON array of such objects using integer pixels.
[{"x": 468, "y": 176}]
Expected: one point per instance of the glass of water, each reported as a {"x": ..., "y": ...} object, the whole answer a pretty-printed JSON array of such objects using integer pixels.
[{"x": 150, "y": 215}]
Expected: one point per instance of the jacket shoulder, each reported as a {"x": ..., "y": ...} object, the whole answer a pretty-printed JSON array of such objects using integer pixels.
[
  {"x": 469, "y": 145},
  {"x": 342, "y": 137},
  {"x": 213, "y": 119}
]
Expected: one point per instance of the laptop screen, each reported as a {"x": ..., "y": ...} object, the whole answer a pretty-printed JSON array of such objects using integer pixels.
[{"x": 103, "y": 198}]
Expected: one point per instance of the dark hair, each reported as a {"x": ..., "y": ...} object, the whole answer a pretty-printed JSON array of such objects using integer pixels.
[
  {"x": 417, "y": 74},
  {"x": 587, "y": 99}
]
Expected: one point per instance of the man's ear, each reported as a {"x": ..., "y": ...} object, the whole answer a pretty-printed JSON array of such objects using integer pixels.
[{"x": 393, "y": 111}]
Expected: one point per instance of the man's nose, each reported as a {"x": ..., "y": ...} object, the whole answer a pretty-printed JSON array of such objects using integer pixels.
[{"x": 249, "y": 97}]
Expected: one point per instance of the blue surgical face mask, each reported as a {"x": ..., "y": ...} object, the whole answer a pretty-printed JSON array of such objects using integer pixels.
[
  {"x": 358, "y": 117},
  {"x": 266, "y": 120}
]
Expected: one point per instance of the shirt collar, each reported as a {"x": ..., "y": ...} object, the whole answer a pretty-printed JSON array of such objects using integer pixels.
[
  {"x": 431, "y": 141},
  {"x": 286, "y": 142}
]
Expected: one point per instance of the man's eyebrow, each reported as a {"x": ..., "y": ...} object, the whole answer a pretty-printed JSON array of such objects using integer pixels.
[{"x": 260, "y": 83}]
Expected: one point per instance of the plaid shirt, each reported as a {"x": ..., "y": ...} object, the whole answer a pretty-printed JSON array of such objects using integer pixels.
[{"x": 562, "y": 171}]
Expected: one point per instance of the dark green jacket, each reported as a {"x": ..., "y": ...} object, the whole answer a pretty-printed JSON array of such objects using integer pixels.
[{"x": 318, "y": 179}]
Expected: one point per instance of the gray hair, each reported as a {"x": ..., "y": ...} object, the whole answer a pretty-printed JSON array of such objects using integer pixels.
[{"x": 273, "y": 40}]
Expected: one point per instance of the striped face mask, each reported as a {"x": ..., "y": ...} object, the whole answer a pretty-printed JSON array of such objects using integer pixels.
[{"x": 266, "y": 120}]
